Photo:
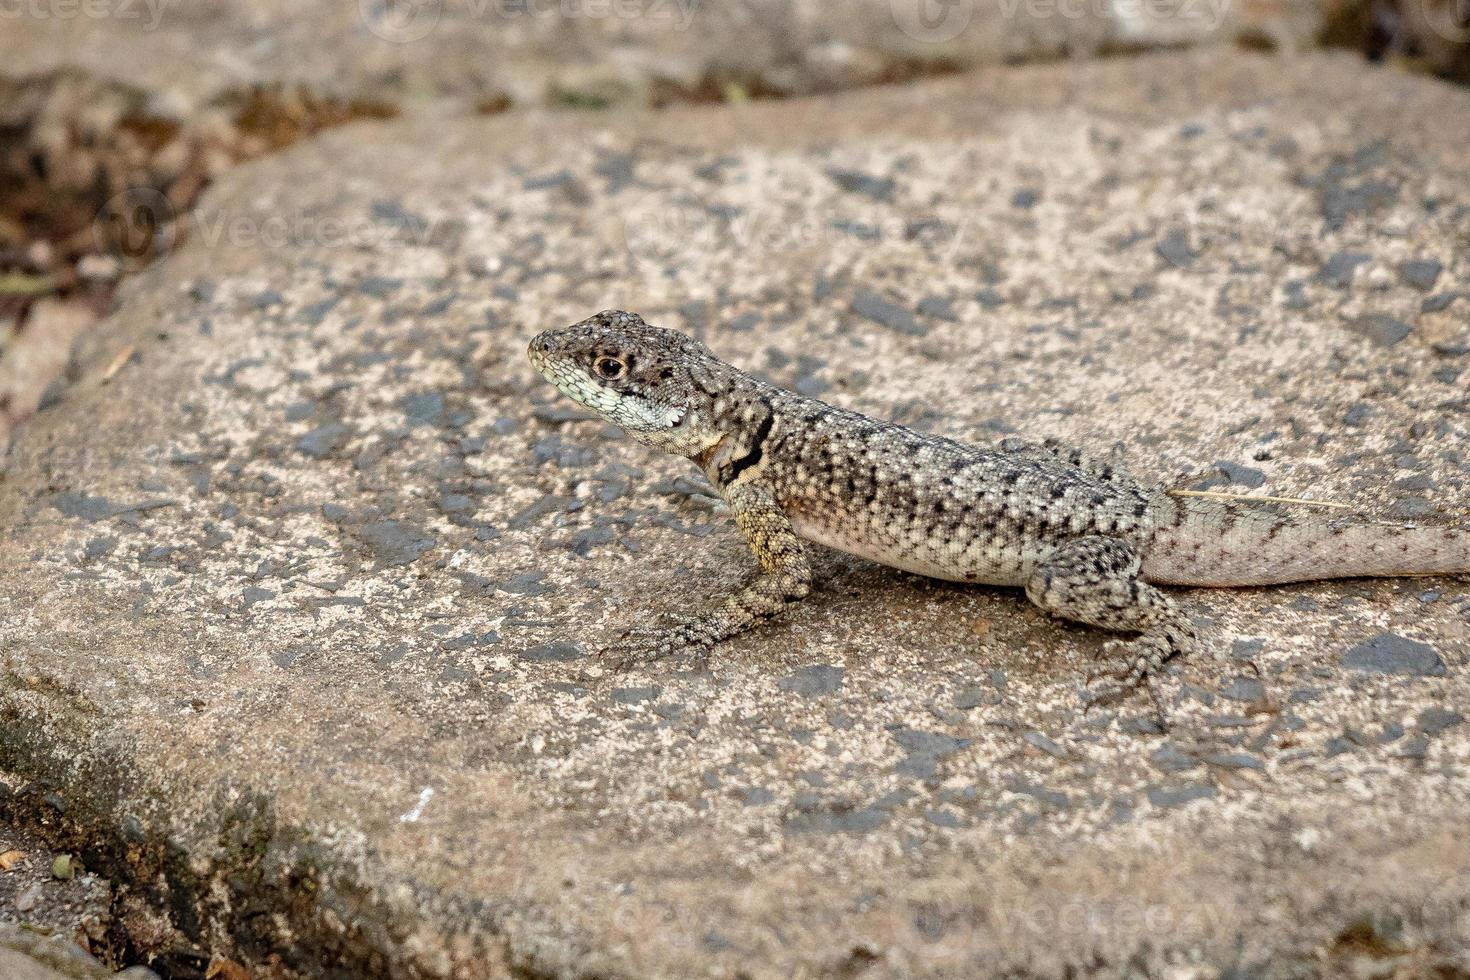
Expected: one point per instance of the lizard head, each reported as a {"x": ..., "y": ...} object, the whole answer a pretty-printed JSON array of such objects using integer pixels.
[{"x": 639, "y": 377}]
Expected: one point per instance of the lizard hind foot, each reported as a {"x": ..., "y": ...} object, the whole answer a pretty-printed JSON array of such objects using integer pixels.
[
  {"x": 1145, "y": 660},
  {"x": 641, "y": 646}
]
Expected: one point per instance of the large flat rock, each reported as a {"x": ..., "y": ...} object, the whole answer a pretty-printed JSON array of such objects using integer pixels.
[{"x": 298, "y": 601}]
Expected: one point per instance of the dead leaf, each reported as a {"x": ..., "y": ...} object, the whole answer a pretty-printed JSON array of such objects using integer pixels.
[
  {"x": 10, "y": 859},
  {"x": 223, "y": 969}
]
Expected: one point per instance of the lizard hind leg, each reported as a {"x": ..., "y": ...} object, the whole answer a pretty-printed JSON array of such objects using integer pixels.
[{"x": 1095, "y": 580}]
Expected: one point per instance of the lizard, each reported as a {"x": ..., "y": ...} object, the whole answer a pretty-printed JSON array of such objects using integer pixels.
[{"x": 1084, "y": 539}]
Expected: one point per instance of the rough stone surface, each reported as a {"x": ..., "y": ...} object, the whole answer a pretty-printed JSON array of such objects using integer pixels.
[
  {"x": 588, "y": 53},
  {"x": 355, "y": 688}
]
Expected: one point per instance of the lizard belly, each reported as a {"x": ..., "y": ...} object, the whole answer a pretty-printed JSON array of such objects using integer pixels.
[{"x": 971, "y": 559}]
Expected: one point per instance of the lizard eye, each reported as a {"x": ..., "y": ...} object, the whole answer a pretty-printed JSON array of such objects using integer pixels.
[{"x": 610, "y": 368}]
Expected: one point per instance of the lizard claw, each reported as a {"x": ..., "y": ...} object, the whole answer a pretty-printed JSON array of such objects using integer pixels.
[{"x": 1105, "y": 688}]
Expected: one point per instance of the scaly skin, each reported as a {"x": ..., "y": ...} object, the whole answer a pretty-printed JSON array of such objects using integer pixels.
[{"x": 1077, "y": 532}]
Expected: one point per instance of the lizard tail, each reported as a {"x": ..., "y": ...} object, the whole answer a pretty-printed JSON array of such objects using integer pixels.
[{"x": 1220, "y": 543}]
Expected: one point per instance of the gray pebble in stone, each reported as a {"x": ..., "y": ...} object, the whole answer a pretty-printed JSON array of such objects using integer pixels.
[
  {"x": 559, "y": 652},
  {"x": 1421, "y": 274},
  {"x": 1025, "y": 199},
  {"x": 94, "y": 508},
  {"x": 100, "y": 547},
  {"x": 813, "y": 681},
  {"x": 939, "y": 308},
  {"x": 856, "y": 182},
  {"x": 324, "y": 440},
  {"x": 884, "y": 313},
  {"x": 456, "y": 503},
  {"x": 583, "y": 541},
  {"x": 1247, "y": 689},
  {"x": 1339, "y": 269},
  {"x": 1433, "y": 721},
  {"x": 1171, "y": 797},
  {"x": 1380, "y": 328},
  {"x": 1412, "y": 508},
  {"x": 989, "y": 298},
  {"x": 396, "y": 543},
  {"x": 314, "y": 313},
  {"x": 943, "y": 818},
  {"x": 924, "y": 751},
  {"x": 528, "y": 515},
  {"x": 635, "y": 695},
  {"x": 394, "y": 213},
  {"x": 527, "y": 584},
  {"x": 1045, "y": 744},
  {"x": 1245, "y": 649},
  {"x": 1357, "y": 414},
  {"x": 549, "y": 181},
  {"x": 1174, "y": 248},
  {"x": 1053, "y": 799},
  {"x": 1227, "y": 473},
  {"x": 379, "y": 287},
  {"x": 1296, "y": 298},
  {"x": 1390, "y": 653},
  {"x": 744, "y": 322},
  {"x": 556, "y": 415},
  {"x": 1171, "y": 758},
  {"x": 756, "y": 796},
  {"x": 254, "y": 594},
  {"x": 1415, "y": 748},
  {"x": 51, "y": 396},
  {"x": 973, "y": 697},
  {"x": 425, "y": 408},
  {"x": 1342, "y": 201},
  {"x": 1235, "y": 760}
]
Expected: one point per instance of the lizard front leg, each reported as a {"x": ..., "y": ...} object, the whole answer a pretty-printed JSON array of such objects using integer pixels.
[{"x": 784, "y": 578}]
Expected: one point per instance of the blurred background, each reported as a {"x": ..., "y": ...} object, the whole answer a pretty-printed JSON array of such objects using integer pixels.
[{"x": 116, "y": 114}]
